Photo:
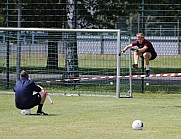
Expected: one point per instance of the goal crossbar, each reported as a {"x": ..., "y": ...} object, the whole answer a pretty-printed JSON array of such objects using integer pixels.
[{"x": 59, "y": 30}]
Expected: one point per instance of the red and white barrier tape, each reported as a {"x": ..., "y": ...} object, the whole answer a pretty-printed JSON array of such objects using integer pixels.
[{"x": 111, "y": 77}]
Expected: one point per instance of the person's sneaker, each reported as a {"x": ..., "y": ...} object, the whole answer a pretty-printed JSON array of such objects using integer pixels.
[
  {"x": 26, "y": 112},
  {"x": 135, "y": 66},
  {"x": 41, "y": 113},
  {"x": 147, "y": 73}
]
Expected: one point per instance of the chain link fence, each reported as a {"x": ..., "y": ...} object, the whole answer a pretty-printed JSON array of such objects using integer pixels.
[{"x": 159, "y": 21}]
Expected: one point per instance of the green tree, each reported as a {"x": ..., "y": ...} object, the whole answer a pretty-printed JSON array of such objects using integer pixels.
[
  {"x": 43, "y": 13},
  {"x": 101, "y": 13},
  {"x": 46, "y": 14},
  {"x": 2, "y": 13}
]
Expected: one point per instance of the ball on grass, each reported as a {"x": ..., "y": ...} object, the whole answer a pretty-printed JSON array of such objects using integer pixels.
[{"x": 137, "y": 125}]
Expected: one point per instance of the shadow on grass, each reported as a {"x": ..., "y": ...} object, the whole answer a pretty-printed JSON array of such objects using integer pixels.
[{"x": 43, "y": 115}]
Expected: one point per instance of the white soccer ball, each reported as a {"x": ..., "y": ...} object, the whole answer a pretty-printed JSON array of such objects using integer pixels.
[
  {"x": 137, "y": 125},
  {"x": 26, "y": 112}
]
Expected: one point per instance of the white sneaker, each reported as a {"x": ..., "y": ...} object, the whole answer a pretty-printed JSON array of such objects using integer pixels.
[{"x": 26, "y": 112}]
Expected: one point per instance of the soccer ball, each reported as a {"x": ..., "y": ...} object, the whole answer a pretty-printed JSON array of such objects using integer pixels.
[
  {"x": 26, "y": 112},
  {"x": 137, "y": 125}
]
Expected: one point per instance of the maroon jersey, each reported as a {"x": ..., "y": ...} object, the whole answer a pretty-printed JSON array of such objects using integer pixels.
[{"x": 145, "y": 43}]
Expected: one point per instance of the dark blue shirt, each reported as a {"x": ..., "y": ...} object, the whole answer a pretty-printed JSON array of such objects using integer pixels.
[{"x": 24, "y": 92}]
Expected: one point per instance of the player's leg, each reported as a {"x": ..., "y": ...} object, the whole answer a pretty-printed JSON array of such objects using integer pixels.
[
  {"x": 40, "y": 105},
  {"x": 43, "y": 97},
  {"x": 36, "y": 100},
  {"x": 147, "y": 56},
  {"x": 136, "y": 58}
]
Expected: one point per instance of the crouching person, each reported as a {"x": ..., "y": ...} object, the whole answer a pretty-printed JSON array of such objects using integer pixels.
[{"x": 24, "y": 97}]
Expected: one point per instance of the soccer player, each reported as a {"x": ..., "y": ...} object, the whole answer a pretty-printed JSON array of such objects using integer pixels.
[
  {"x": 145, "y": 50},
  {"x": 24, "y": 97}
]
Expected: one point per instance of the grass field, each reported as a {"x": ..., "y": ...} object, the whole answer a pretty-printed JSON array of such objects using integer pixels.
[
  {"x": 89, "y": 61},
  {"x": 95, "y": 118}
]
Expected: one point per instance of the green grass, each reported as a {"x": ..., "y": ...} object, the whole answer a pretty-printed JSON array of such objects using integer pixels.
[
  {"x": 95, "y": 118},
  {"x": 89, "y": 61}
]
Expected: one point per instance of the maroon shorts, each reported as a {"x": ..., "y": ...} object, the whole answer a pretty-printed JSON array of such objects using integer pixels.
[{"x": 153, "y": 55}]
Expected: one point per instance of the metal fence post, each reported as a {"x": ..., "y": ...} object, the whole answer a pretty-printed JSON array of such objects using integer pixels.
[{"x": 142, "y": 73}]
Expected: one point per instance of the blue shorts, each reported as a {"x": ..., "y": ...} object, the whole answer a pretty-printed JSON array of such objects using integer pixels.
[{"x": 35, "y": 100}]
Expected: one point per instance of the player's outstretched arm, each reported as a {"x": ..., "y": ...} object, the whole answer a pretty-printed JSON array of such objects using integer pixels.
[{"x": 125, "y": 49}]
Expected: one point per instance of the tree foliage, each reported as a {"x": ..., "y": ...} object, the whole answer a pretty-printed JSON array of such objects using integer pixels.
[
  {"x": 90, "y": 13},
  {"x": 52, "y": 13},
  {"x": 102, "y": 13},
  {"x": 43, "y": 13}
]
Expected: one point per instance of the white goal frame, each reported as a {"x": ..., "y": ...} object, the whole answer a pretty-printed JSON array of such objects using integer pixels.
[{"x": 117, "y": 31}]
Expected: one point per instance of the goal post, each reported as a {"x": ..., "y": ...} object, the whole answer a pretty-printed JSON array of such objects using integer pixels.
[{"x": 85, "y": 57}]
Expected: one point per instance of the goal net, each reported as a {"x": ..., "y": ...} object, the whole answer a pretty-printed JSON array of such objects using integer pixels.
[{"x": 68, "y": 61}]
